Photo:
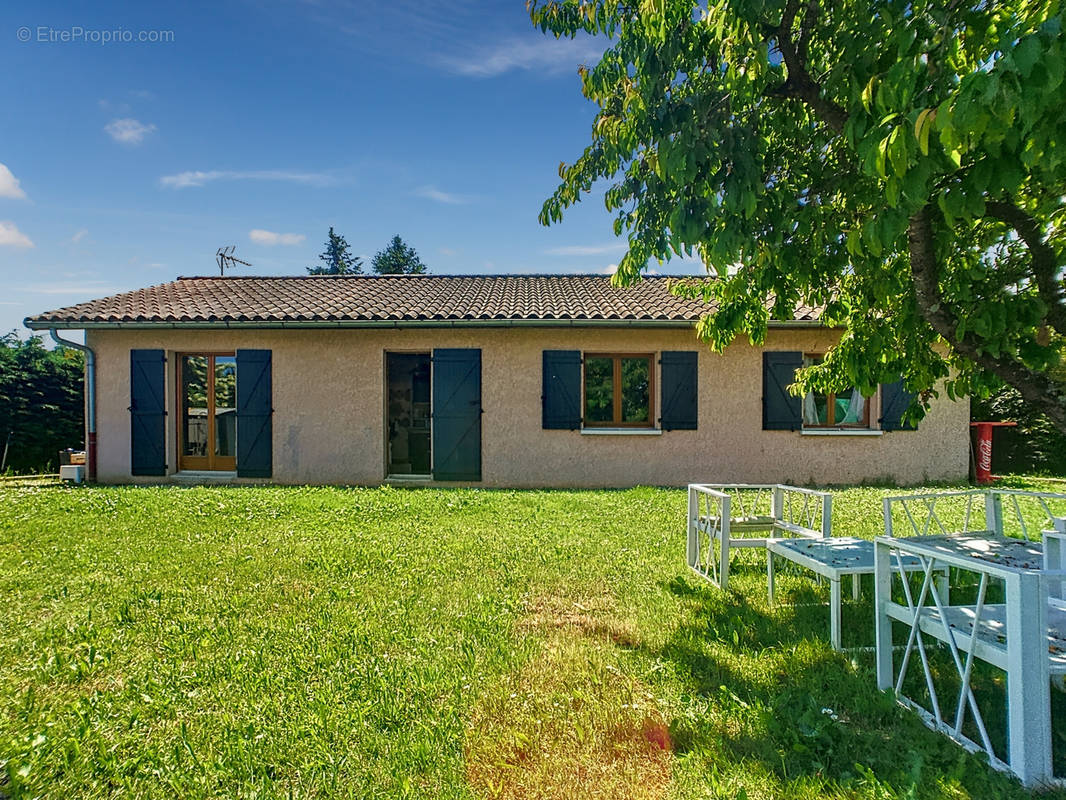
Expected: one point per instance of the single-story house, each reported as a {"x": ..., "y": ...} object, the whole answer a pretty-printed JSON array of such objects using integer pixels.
[{"x": 496, "y": 381}]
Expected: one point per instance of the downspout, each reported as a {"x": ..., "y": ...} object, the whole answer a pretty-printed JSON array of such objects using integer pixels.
[{"x": 90, "y": 399}]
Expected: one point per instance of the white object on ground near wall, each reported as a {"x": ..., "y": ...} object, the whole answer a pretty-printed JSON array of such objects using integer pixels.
[{"x": 72, "y": 472}]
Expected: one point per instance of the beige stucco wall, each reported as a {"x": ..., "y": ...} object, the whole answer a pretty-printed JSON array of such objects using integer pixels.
[{"x": 329, "y": 412}]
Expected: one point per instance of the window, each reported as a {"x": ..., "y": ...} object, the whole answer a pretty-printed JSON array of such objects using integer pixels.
[
  {"x": 221, "y": 423},
  {"x": 618, "y": 390},
  {"x": 207, "y": 424},
  {"x": 847, "y": 409}
]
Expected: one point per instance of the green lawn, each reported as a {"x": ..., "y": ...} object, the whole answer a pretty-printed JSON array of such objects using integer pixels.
[{"x": 321, "y": 642}]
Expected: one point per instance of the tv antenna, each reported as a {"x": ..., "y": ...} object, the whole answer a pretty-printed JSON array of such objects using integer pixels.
[{"x": 225, "y": 259}]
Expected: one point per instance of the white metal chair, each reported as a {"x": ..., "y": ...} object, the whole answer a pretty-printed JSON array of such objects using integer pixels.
[{"x": 727, "y": 516}]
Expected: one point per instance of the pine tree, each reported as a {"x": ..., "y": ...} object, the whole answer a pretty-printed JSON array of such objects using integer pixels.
[
  {"x": 337, "y": 258},
  {"x": 398, "y": 259}
]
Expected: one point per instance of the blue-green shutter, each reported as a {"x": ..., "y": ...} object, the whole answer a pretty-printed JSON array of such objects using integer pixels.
[
  {"x": 781, "y": 410},
  {"x": 148, "y": 409},
  {"x": 255, "y": 429},
  {"x": 680, "y": 392},
  {"x": 895, "y": 399},
  {"x": 561, "y": 390},
  {"x": 457, "y": 414}
]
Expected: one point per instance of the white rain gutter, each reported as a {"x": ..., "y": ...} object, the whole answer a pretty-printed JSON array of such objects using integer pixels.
[
  {"x": 409, "y": 323},
  {"x": 90, "y": 399}
]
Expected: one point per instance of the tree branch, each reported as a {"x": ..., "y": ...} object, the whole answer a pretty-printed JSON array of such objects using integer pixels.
[
  {"x": 810, "y": 17},
  {"x": 1036, "y": 388},
  {"x": 1044, "y": 267},
  {"x": 800, "y": 84}
]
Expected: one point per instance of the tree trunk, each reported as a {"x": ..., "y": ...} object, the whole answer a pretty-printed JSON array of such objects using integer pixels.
[{"x": 1036, "y": 388}]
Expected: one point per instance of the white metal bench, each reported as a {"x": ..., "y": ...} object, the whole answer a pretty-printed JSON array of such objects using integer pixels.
[
  {"x": 1025, "y": 636},
  {"x": 1055, "y": 555},
  {"x": 1004, "y": 512},
  {"x": 724, "y": 517}
]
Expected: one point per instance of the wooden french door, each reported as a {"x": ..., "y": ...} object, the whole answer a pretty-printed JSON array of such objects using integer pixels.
[{"x": 207, "y": 403}]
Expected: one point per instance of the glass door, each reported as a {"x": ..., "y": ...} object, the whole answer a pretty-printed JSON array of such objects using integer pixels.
[
  {"x": 407, "y": 418},
  {"x": 207, "y": 427}
]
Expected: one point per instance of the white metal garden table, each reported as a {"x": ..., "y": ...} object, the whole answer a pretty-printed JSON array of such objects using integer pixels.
[{"x": 832, "y": 558}]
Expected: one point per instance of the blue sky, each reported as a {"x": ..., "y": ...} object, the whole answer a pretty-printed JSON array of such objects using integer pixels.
[{"x": 261, "y": 124}]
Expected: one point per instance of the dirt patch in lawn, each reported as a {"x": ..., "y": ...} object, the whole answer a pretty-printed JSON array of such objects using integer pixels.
[
  {"x": 592, "y": 616},
  {"x": 570, "y": 724}
]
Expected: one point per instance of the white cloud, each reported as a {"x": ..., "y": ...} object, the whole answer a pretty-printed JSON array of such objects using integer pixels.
[
  {"x": 433, "y": 193},
  {"x": 77, "y": 237},
  {"x": 9, "y": 184},
  {"x": 610, "y": 269},
  {"x": 542, "y": 54},
  {"x": 128, "y": 130},
  {"x": 587, "y": 250},
  {"x": 189, "y": 178},
  {"x": 11, "y": 236},
  {"x": 447, "y": 251},
  {"x": 260, "y": 236},
  {"x": 112, "y": 107}
]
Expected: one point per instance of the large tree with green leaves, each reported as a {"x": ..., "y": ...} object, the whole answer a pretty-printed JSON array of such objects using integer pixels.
[
  {"x": 41, "y": 402},
  {"x": 398, "y": 259},
  {"x": 337, "y": 258},
  {"x": 901, "y": 162}
]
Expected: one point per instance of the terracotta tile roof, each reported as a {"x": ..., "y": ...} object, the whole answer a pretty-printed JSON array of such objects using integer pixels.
[{"x": 392, "y": 299}]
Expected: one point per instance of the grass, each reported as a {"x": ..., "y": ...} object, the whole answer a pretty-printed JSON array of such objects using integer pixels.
[{"x": 322, "y": 642}]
